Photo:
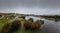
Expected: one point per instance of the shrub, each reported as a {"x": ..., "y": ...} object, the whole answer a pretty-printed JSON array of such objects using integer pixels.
[
  {"x": 12, "y": 27},
  {"x": 15, "y": 26},
  {"x": 36, "y": 25},
  {"x": 5, "y": 28},
  {"x": 33, "y": 25},
  {"x": 31, "y": 19},
  {"x": 27, "y": 25}
]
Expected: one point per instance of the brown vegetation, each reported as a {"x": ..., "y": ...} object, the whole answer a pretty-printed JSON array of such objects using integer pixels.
[
  {"x": 10, "y": 28},
  {"x": 5, "y": 28},
  {"x": 27, "y": 25},
  {"x": 33, "y": 25}
]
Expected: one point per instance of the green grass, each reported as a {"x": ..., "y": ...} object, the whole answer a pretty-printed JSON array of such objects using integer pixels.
[
  {"x": 30, "y": 31},
  {"x": 3, "y": 21},
  {"x": 27, "y": 31},
  {"x": 18, "y": 31}
]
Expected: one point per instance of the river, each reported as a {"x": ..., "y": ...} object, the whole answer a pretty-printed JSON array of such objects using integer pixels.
[{"x": 49, "y": 26}]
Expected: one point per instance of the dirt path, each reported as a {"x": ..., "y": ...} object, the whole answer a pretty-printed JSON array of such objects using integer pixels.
[
  {"x": 22, "y": 27},
  {"x": 22, "y": 24}
]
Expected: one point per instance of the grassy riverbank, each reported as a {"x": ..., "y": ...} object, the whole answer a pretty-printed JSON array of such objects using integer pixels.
[{"x": 56, "y": 17}]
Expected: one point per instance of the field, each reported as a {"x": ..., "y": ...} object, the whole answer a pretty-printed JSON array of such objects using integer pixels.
[{"x": 10, "y": 19}]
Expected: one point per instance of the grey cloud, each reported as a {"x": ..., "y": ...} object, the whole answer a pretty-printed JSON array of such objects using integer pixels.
[
  {"x": 50, "y": 6},
  {"x": 30, "y": 3}
]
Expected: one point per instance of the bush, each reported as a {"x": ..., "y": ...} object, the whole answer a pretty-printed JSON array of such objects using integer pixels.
[
  {"x": 31, "y": 19},
  {"x": 36, "y": 26},
  {"x": 22, "y": 17},
  {"x": 33, "y": 25},
  {"x": 40, "y": 21},
  {"x": 27, "y": 25},
  {"x": 15, "y": 25},
  {"x": 12, "y": 27},
  {"x": 5, "y": 28}
]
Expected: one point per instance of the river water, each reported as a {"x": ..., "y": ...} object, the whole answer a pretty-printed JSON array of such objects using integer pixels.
[{"x": 49, "y": 26}]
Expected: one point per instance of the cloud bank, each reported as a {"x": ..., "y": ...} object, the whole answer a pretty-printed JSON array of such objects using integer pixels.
[{"x": 39, "y": 7}]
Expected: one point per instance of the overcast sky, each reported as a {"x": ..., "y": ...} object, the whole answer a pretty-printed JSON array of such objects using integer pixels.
[{"x": 39, "y": 7}]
